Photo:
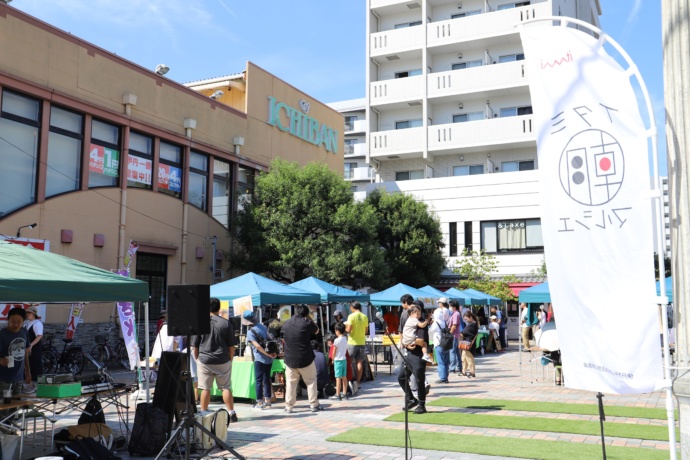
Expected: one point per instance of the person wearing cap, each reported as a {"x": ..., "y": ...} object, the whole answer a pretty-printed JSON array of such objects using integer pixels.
[
  {"x": 502, "y": 321},
  {"x": 214, "y": 352},
  {"x": 162, "y": 318},
  {"x": 34, "y": 331},
  {"x": 257, "y": 336},
  {"x": 442, "y": 355},
  {"x": 337, "y": 318},
  {"x": 494, "y": 334}
]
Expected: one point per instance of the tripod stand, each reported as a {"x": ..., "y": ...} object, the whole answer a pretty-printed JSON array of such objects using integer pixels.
[
  {"x": 408, "y": 366},
  {"x": 188, "y": 422}
]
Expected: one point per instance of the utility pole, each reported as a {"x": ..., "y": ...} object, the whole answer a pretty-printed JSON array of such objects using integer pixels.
[{"x": 675, "y": 23}]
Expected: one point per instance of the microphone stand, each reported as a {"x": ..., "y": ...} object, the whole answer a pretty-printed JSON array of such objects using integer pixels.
[{"x": 407, "y": 384}]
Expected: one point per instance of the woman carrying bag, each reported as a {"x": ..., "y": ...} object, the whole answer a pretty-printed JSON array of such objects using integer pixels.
[{"x": 467, "y": 338}]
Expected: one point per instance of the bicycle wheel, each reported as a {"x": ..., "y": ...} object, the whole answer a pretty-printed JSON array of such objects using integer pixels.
[
  {"x": 100, "y": 353},
  {"x": 49, "y": 361},
  {"x": 122, "y": 356},
  {"x": 74, "y": 361}
]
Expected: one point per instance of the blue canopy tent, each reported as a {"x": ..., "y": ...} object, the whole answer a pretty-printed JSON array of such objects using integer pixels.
[
  {"x": 329, "y": 292},
  {"x": 263, "y": 291},
  {"x": 470, "y": 299},
  {"x": 669, "y": 288},
  {"x": 490, "y": 300},
  {"x": 391, "y": 296},
  {"x": 536, "y": 294}
]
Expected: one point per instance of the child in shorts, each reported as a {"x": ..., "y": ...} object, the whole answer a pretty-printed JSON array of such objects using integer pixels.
[
  {"x": 340, "y": 362},
  {"x": 409, "y": 335}
]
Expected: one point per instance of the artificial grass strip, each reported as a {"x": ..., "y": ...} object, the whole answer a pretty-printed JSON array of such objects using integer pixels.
[
  {"x": 552, "y": 425},
  {"x": 550, "y": 407},
  {"x": 501, "y": 447}
]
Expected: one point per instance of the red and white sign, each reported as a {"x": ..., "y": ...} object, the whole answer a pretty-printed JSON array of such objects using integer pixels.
[
  {"x": 74, "y": 319},
  {"x": 139, "y": 169}
]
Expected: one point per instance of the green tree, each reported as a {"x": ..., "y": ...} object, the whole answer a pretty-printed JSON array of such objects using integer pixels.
[
  {"x": 411, "y": 237},
  {"x": 541, "y": 271},
  {"x": 303, "y": 221},
  {"x": 475, "y": 269}
]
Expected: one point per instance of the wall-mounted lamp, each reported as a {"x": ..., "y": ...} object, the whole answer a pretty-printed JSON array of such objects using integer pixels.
[
  {"x": 459, "y": 6},
  {"x": 459, "y": 55},
  {"x": 19, "y": 230},
  {"x": 162, "y": 69},
  {"x": 189, "y": 124},
  {"x": 488, "y": 102},
  {"x": 129, "y": 100},
  {"x": 217, "y": 94},
  {"x": 460, "y": 106},
  {"x": 488, "y": 155},
  {"x": 462, "y": 157}
]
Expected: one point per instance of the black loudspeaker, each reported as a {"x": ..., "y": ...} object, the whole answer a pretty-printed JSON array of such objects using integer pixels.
[
  {"x": 171, "y": 384},
  {"x": 188, "y": 309}
]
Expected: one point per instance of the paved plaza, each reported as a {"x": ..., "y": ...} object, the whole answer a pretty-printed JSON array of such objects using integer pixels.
[{"x": 273, "y": 434}]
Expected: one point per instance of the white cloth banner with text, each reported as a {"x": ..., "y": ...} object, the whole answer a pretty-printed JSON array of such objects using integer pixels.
[{"x": 596, "y": 212}]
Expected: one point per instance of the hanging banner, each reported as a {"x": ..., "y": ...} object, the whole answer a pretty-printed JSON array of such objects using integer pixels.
[
  {"x": 596, "y": 212},
  {"x": 133, "y": 246},
  {"x": 74, "y": 319},
  {"x": 125, "y": 313},
  {"x": 241, "y": 304}
]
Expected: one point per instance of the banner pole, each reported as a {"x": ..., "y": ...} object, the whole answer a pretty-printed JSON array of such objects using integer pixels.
[{"x": 147, "y": 351}]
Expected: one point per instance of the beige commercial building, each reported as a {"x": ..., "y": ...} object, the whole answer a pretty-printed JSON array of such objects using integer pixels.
[{"x": 100, "y": 152}]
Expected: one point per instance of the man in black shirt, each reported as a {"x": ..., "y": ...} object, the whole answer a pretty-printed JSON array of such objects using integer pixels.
[
  {"x": 214, "y": 353},
  {"x": 407, "y": 301},
  {"x": 417, "y": 367},
  {"x": 299, "y": 358}
]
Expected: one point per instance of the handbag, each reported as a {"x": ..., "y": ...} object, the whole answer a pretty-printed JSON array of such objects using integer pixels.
[{"x": 465, "y": 345}]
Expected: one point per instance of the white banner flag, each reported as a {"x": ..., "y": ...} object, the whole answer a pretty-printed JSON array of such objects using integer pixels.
[{"x": 596, "y": 212}]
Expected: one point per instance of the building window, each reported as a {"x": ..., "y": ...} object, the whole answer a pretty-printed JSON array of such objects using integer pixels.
[
  {"x": 353, "y": 189},
  {"x": 408, "y": 73},
  {"x": 516, "y": 111},
  {"x": 350, "y": 123},
  {"x": 468, "y": 236},
  {"x": 452, "y": 239},
  {"x": 245, "y": 186},
  {"x": 408, "y": 124},
  {"x": 407, "y": 24},
  {"x": 512, "y": 235},
  {"x": 198, "y": 177},
  {"x": 508, "y": 6},
  {"x": 409, "y": 175},
  {"x": 140, "y": 161},
  {"x": 64, "y": 152},
  {"x": 469, "y": 170},
  {"x": 350, "y": 170},
  {"x": 170, "y": 170},
  {"x": 104, "y": 155},
  {"x": 19, "y": 128},
  {"x": 350, "y": 146},
  {"x": 465, "y": 117},
  {"x": 511, "y": 57},
  {"x": 467, "y": 64},
  {"x": 465, "y": 14},
  {"x": 221, "y": 192},
  {"x": 510, "y": 166},
  {"x": 153, "y": 268}
]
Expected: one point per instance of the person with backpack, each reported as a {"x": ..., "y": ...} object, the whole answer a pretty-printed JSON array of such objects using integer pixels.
[
  {"x": 439, "y": 328},
  {"x": 257, "y": 337}
]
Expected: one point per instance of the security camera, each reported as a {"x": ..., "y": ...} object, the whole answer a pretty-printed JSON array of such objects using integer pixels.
[
  {"x": 162, "y": 69},
  {"x": 217, "y": 94}
]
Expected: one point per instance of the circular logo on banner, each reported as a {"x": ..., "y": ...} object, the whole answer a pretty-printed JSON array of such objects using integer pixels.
[{"x": 592, "y": 167}]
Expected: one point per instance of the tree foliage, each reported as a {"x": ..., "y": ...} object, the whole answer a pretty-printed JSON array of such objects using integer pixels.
[
  {"x": 475, "y": 269},
  {"x": 303, "y": 221},
  {"x": 411, "y": 237}
]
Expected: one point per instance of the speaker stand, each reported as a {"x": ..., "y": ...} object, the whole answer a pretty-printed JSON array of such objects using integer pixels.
[{"x": 188, "y": 422}]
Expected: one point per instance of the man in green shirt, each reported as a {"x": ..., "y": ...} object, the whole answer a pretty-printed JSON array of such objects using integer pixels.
[{"x": 356, "y": 326}]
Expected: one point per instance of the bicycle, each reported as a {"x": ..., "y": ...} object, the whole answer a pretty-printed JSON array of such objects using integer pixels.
[
  {"x": 104, "y": 353},
  {"x": 71, "y": 359}
]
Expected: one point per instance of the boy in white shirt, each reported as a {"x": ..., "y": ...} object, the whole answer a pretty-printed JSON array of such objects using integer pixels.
[
  {"x": 340, "y": 362},
  {"x": 493, "y": 328}
]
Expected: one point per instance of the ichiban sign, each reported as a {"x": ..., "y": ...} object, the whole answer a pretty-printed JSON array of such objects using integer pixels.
[{"x": 596, "y": 212}]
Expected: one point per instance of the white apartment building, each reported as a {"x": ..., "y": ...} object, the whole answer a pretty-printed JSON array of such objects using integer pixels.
[{"x": 447, "y": 117}]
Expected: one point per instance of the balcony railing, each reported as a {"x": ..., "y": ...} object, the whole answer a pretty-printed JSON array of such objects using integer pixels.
[
  {"x": 355, "y": 149},
  {"x": 509, "y": 74},
  {"x": 396, "y": 41},
  {"x": 357, "y": 126},
  {"x": 362, "y": 173},
  {"x": 396, "y": 141},
  {"x": 483, "y": 25},
  {"x": 396, "y": 90},
  {"x": 481, "y": 133}
]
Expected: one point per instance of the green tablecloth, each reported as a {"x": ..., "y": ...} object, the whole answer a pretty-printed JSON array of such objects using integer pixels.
[
  {"x": 243, "y": 378},
  {"x": 480, "y": 336}
]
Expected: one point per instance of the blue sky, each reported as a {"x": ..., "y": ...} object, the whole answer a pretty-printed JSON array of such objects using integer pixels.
[{"x": 315, "y": 45}]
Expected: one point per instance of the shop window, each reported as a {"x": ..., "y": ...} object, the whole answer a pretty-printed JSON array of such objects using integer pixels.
[
  {"x": 245, "y": 186},
  {"x": 469, "y": 170},
  {"x": 409, "y": 175},
  {"x": 220, "y": 208},
  {"x": 510, "y": 166},
  {"x": 65, "y": 140},
  {"x": 104, "y": 155},
  {"x": 512, "y": 235},
  {"x": 170, "y": 170},
  {"x": 198, "y": 180},
  {"x": 140, "y": 161},
  {"x": 452, "y": 239},
  {"x": 19, "y": 128},
  {"x": 153, "y": 268},
  {"x": 468, "y": 236}
]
